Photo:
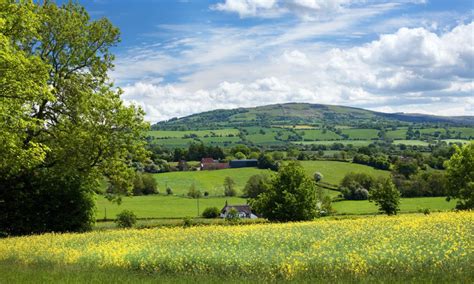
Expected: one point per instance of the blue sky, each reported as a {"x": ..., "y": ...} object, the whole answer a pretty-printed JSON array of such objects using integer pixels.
[{"x": 181, "y": 57}]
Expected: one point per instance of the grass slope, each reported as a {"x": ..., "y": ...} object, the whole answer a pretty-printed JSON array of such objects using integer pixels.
[{"x": 210, "y": 181}]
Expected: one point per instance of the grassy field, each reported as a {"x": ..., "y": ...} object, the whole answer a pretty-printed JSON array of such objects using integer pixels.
[
  {"x": 355, "y": 207},
  {"x": 160, "y": 206},
  {"x": 358, "y": 133},
  {"x": 405, "y": 248},
  {"x": 199, "y": 133},
  {"x": 210, "y": 181},
  {"x": 333, "y": 171},
  {"x": 213, "y": 181},
  {"x": 330, "y": 142},
  {"x": 411, "y": 142}
]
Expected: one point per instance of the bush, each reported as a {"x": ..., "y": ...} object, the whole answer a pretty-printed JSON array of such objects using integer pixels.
[
  {"x": 193, "y": 192},
  {"x": 232, "y": 215},
  {"x": 229, "y": 187},
  {"x": 386, "y": 196},
  {"x": 211, "y": 212},
  {"x": 169, "y": 191},
  {"x": 188, "y": 222},
  {"x": 256, "y": 185},
  {"x": 126, "y": 219},
  {"x": 318, "y": 176},
  {"x": 356, "y": 186},
  {"x": 144, "y": 184}
]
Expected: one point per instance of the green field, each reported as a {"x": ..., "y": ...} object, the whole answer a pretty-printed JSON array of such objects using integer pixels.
[
  {"x": 210, "y": 181},
  {"x": 160, "y": 206},
  {"x": 409, "y": 248},
  {"x": 358, "y": 133},
  {"x": 397, "y": 134},
  {"x": 354, "y": 207},
  {"x": 199, "y": 133},
  {"x": 334, "y": 171},
  {"x": 317, "y": 134},
  {"x": 357, "y": 143},
  {"x": 411, "y": 142}
]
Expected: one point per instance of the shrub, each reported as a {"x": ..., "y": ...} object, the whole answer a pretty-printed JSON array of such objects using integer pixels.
[
  {"x": 169, "y": 191},
  {"x": 149, "y": 184},
  {"x": 229, "y": 187},
  {"x": 318, "y": 176},
  {"x": 188, "y": 222},
  {"x": 126, "y": 219},
  {"x": 256, "y": 185},
  {"x": 193, "y": 192},
  {"x": 211, "y": 212},
  {"x": 232, "y": 215},
  {"x": 356, "y": 186},
  {"x": 386, "y": 196}
]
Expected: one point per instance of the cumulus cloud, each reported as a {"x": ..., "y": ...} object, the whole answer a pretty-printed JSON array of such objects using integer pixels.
[
  {"x": 410, "y": 70},
  {"x": 305, "y": 9}
]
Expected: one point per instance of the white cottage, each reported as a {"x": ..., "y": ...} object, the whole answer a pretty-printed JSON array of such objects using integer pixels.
[{"x": 244, "y": 211}]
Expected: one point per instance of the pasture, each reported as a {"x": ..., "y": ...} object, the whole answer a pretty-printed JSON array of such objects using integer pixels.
[
  {"x": 211, "y": 181},
  {"x": 432, "y": 248},
  {"x": 161, "y": 206},
  {"x": 362, "y": 207}
]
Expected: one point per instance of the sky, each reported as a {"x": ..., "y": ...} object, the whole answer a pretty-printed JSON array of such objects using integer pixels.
[{"x": 182, "y": 57}]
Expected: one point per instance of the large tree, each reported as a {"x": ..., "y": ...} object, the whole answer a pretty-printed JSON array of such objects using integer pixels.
[
  {"x": 64, "y": 126},
  {"x": 460, "y": 176},
  {"x": 291, "y": 196}
]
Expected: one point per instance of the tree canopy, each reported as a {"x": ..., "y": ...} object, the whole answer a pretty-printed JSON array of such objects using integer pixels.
[
  {"x": 292, "y": 196},
  {"x": 460, "y": 176},
  {"x": 61, "y": 120}
]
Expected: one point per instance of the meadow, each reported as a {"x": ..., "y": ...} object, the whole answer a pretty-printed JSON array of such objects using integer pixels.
[
  {"x": 213, "y": 181},
  {"x": 436, "y": 247}
]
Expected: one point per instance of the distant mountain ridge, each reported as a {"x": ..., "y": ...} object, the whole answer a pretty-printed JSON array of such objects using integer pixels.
[{"x": 304, "y": 114}]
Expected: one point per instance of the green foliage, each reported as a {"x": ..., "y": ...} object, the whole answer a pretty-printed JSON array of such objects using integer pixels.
[
  {"x": 460, "y": 176},
  {"x": 291, "y": 196},
  {"x": 188, "y": 222},
  {"x": 406, "y": 167},
  {"x": 211, "y": 212},
  {"x": 45, "y": 202},
  {"x": 318, "y": 176},
  {"x": 256, "y": 185},
  {"x": 126, "y": 219},
  {"x": 423, "y": 184},
  {"x": 65, "y": 120},
  {"x": 169, "y": 191},
  {"x": 232, "y": 216},
  {"x": 265, "y": 161},
  {"x": 356, "y": 186},
  {"x": 229, "y": 187},
  {"x": 193, "y": 192},
  {"x": 386, "y": 196}
]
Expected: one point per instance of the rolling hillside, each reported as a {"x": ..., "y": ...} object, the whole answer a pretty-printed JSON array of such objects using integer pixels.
[
  {"x": 306, "y": 124},
  {"x": 302, "y": 114}
]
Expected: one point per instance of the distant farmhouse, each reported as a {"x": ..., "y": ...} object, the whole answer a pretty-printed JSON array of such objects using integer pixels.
[
  {"x": 211, "y": 164},
  {"x": 244, "y": 211}
]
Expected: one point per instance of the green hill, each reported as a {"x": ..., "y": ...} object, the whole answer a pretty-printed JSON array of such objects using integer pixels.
[{"x": 311, "y": 115}]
